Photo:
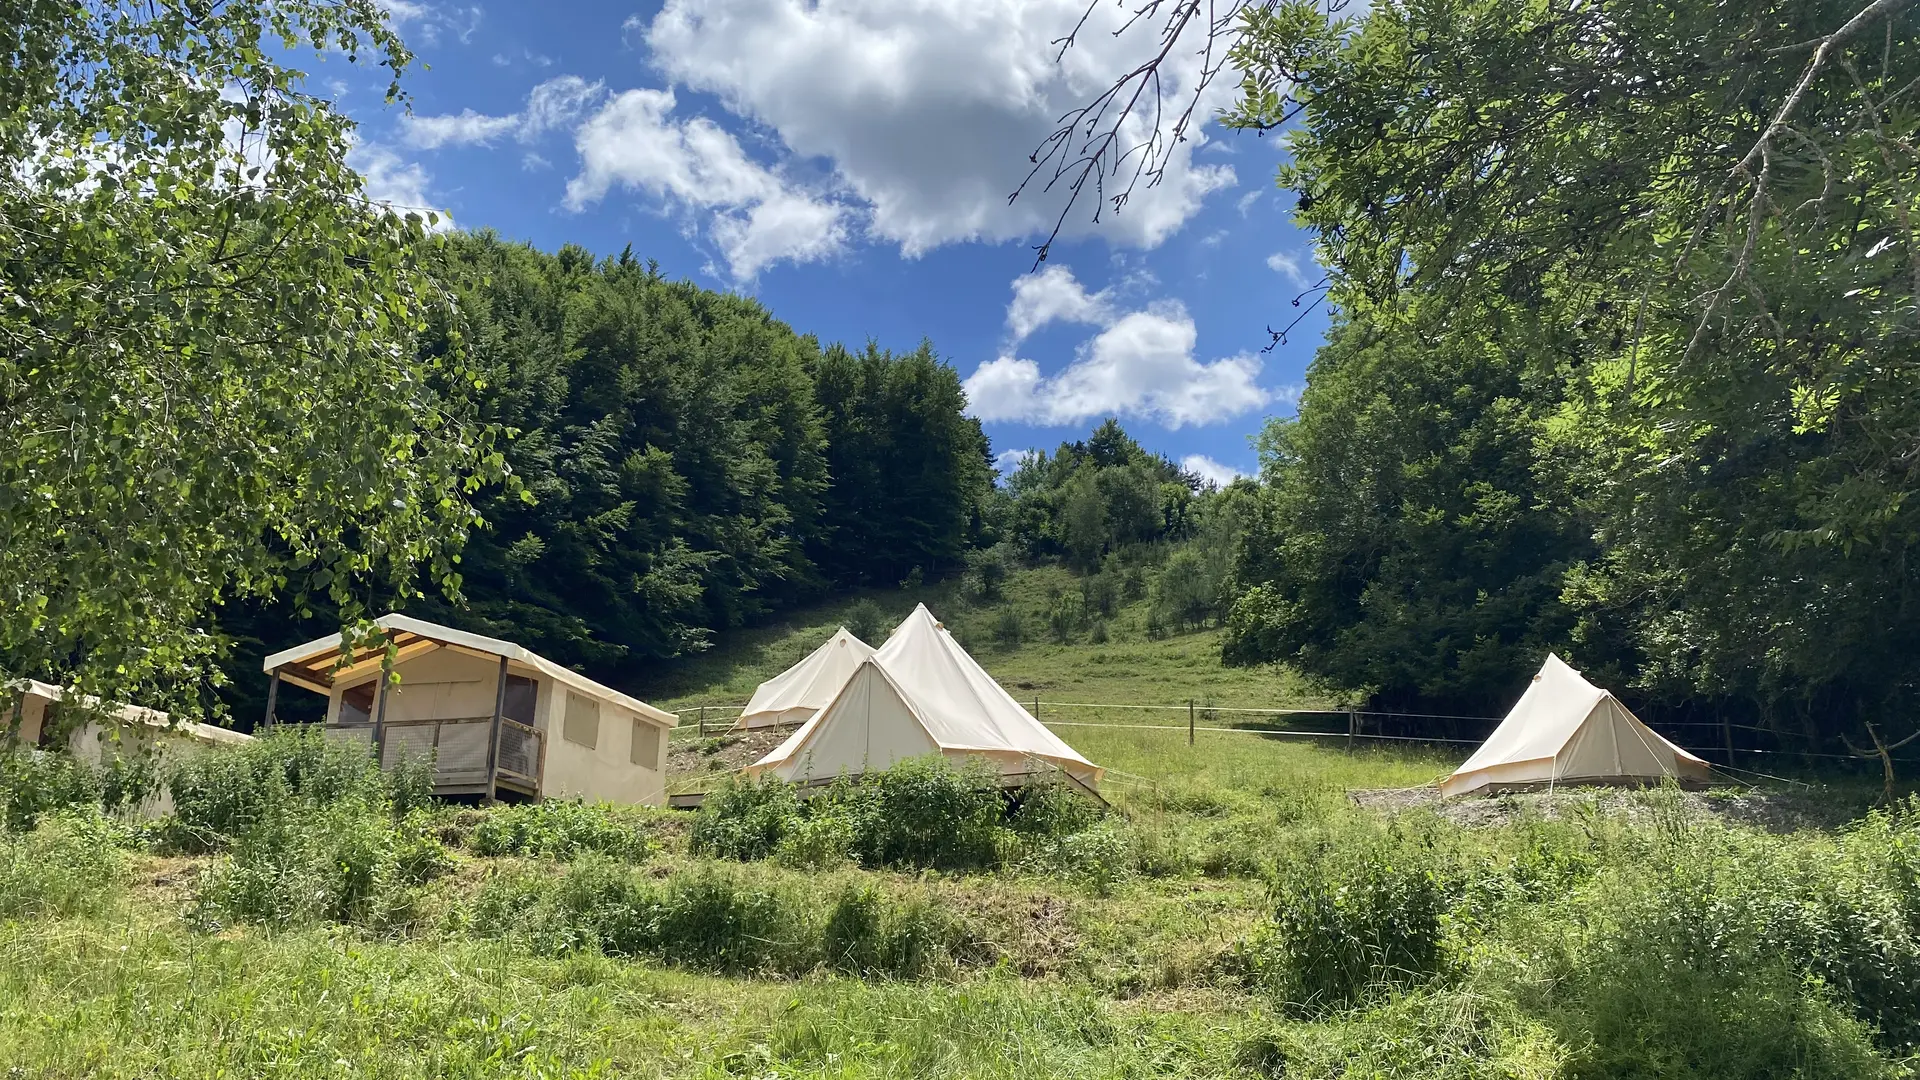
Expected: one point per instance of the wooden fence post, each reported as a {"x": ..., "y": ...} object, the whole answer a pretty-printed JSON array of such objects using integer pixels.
[
  {"x": 703, "y": 721},
  {"x": 1189, "y": 721},
  {"x": 1353, "y": 725},
  {"x": 1036, "y": 706},
  {"x": 1726, "y": 735},
  {"x": 273, "y": 696}
]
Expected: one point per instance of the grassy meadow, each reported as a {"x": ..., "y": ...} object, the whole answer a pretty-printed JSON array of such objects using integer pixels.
[{"x": 1235, "y": 914}]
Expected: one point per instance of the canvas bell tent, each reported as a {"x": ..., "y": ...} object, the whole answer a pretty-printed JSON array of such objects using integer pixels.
[
  {"x": 498, "y": 718},
  {"x": 43, "y": 715},
  {"x": 803, "y": 689},
  {"x": 1565, "y": 730},
  {"x": 920, "y": 693}
]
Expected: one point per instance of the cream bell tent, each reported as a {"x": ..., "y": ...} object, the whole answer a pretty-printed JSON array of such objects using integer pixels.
[
  {"x": 921, "y": 693},
  {"x": 1565, "y": 730},
  {"x": 798, "y": 692}
]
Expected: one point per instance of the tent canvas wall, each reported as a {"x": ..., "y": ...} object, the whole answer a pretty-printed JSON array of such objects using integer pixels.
[
  {"x": 803, "y": 689},
  {"x": 1565, "y": 730},
  {"x": 920, "y": 693}
]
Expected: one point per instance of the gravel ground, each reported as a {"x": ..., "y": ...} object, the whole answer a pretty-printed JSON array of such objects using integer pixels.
[
  {"x": 725, "y": 752},
  {"x": 1774, "y": 811}
]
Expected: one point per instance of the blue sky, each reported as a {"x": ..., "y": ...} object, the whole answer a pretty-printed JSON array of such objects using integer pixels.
[{"x": 847, "y": 162}]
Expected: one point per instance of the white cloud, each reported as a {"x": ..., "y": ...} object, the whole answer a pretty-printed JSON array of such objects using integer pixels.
[
  {"x": 926, "y": 109},
  {"x": 558, "y": 102},
  {"x": 1009, "y": 461},
  {"x": 1053, "y": 294},
  {"x": 427, "y": 22},
  {"x": 758, "y": 218},
  {"x": 532, "y": 162},
  {"x": 1212, "y": 471},
  {"x": 401, "y": 186},
  {"x": 1282, "y": 263},
  {"x": 1247, "y": 201},
  {"x": 1141, "y": 363}
]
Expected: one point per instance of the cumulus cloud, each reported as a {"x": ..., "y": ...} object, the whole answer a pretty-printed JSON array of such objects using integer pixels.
[
  {"x": 1290, "y": 265},
  {"x": 1141, "y": 363},
  {"x": 1050, "y": 295},
  {"x": 1009, "y": 461},
  {"x": 756, "y": 216},
  {"x": 926, "y": 109},
  {"x": 1213, "y": 472},
  {"x": 399, "y": 185},
  {"x": 556, "y": 103},
  {"x": 428, "y": 23}
]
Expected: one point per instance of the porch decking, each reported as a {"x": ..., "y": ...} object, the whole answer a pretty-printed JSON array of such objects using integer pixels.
[{"x": 458, "y": 747}]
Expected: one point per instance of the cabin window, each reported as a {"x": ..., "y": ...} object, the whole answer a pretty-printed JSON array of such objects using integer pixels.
[
  {"x": 356, "y": 703},
  {"x": 646, "y": 744},
  {"x": 583, "y": 721},
  {"x": 522, "y": 693}
]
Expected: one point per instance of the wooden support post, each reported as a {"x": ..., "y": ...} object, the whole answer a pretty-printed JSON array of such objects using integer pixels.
[
  {"x": 273, "y": 696},
  {"x": 493, "y": 733},
  {"x": 1189, "y": 721},
  {"x": 1353, "y": 727},
  {"x": 380, "y": 721},
  {"x": 1036, "y": 706},
  {"x": 703, "y": 721},
  {"x": 1726, "y": 736}
]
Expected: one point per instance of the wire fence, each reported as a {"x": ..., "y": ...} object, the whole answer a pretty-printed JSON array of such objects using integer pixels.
[{"x": 1354, "y": 726}]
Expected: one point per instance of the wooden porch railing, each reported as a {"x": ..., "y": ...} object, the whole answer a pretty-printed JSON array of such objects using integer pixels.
[{"x": 458, "y": 746}]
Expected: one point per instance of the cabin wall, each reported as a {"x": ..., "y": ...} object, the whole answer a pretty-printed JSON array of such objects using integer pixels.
[
  {"x": 605, "y": 771},
  {"x": 440, "y": 685}
]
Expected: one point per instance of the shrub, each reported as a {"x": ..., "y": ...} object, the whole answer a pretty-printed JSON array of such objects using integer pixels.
[
  {"x": 986, "y": 573},
  {"x": 1051, "y": 808},
  {"x": 34, "y": 782},
  {"x": 866, "y": 621},
  {"x": 816, "y": 841},
  {"x": 298, "y": 864},
  {"x": 1007, "y": 630},
  {"x": 558, "y": 829},
  {"x": 217, "y": 797},
  {"x": 1098, "y": 635},
  {"x": 730, "y": 921},
  {"x": 922, "y": 812},
  {"x": 744, "y": 818},
  {"x": 1360, "y": 916},
  {"x": 68, "y": 865}
]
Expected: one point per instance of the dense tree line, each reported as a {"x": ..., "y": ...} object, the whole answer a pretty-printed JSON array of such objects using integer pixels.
[
  {"x": 686, "y": 464},
  {"x": 1624, "y": 359}
]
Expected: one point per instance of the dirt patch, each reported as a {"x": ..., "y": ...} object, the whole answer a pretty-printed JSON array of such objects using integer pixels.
[
  {"x": 721, "y": 753},
  {"x": 1773, "y": 811}
]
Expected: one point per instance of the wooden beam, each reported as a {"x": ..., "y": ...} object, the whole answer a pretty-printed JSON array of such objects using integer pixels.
[
  {"x": 493, "y": 733},
  {"x": 380, "y": 723},
  {"x": 273, "y": 696}
]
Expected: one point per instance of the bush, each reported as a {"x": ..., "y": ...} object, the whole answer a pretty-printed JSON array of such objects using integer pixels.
[
  {"x": 1360, "y": 916},
  {"x": 34, "y": 782},
  {"x": 1007, "y": 630},
  {"x": 728, "y": 921},
  {"x": 744, "y": 818},
  {"x": 866, "y": 621},
  {"x": 922, "y": 813},
  {"x": 986, "y": 573},
  {"x": 217, "y": 797},
  {"x": 69, "y": 865},
  {"x": 299, "y": 864},
  {"x": 557, "y": 829}
]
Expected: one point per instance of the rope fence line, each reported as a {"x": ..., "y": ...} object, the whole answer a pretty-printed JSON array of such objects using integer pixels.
[{"x": 709, "y": 720}]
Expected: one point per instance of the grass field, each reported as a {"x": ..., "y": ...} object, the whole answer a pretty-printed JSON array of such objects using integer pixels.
[{"x": 1235, "y": 915}]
